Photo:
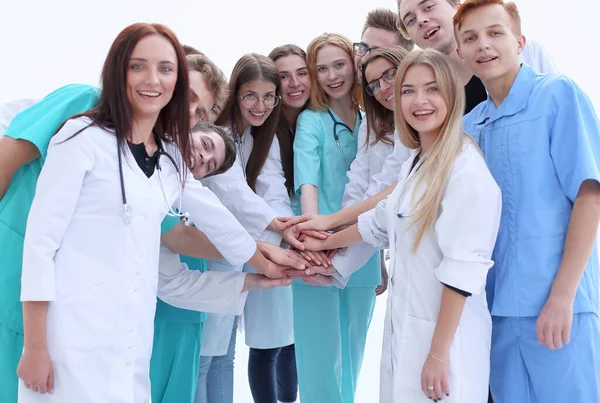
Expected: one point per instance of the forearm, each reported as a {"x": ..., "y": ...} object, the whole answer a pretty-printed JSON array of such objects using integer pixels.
[
  {"x": 189, "y": 241},
  {"x": 349, "y": 215},
  {"x": 309, "y": 199},
  {"x": 34, "y": 324},
  {"x": 346, "y": 237},
  {"x": 451, "y": 309},
  {"x": 581, "y": 235},
  {"x": 258, "y": 261}
]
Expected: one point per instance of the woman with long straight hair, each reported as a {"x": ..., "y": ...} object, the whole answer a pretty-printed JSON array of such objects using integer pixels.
[
  {"x": 440, "y": 223},
  {"x": 330, "y": 325}
]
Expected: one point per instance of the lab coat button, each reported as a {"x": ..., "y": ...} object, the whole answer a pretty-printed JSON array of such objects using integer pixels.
[
  {"x": 139, "y": 273},
  {"x": 137, "y": 290},
  {"x": 146, "y": 216},
  {"x": 128, "y": 363},
  {"x": 131, "y": 330},
  {"x": 130, "y": 347}
]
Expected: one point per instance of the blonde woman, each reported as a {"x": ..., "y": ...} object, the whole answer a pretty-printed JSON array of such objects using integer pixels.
[{"x": 440, "y": 223}]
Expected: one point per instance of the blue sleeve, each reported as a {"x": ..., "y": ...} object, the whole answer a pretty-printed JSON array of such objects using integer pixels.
[
  {"x": 307, "y": 150},
  {"x": 168, "y": 224},
  {"x": 38, "y": 123},
  {"x": 575, "y": 138}
]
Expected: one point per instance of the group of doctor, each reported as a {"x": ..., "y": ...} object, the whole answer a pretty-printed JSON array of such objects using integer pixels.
[{"x": 471, "y": 159}]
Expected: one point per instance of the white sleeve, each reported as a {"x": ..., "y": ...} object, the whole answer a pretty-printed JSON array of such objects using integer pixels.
[
  {"x": 373, "y": 225},
  {"x": 538, "y": 58},
  {"x": 58, "y": 188},
  {"x": 359, "y": 174},
  {"x": 467, "y": 226},
  {"x": 220, "y": 226},
  {"x": 213, "y": 292},
  {"x": 348, "y": 262},
  {"x": 270, "y": 185},
  {"x": 391, "y": 169},
  {"x": 249, "y": 209},
  {"x": 9, "y": 110}
]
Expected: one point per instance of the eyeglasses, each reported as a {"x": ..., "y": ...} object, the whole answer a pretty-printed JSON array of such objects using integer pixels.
[
  {"x": 388, "y": 76},
  {"x": 270, "y": 100},
  {"x": 361, "y": 48}
]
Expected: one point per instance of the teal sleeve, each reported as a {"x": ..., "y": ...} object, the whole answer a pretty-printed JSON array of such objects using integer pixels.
[
  {"x": 38, "y": 123},
  {"x": 168, "y": 224},
  {"x": 308, "y": 150}
]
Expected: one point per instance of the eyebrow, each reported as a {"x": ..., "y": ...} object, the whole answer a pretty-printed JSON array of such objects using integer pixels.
[
  {"x": 410, "y": 12},
  {"x": 424, "y": 85},
  {"x": 471, "y": 31},
  {"x": 334, "y": 62},
  {"x": 141, "y": 59}
]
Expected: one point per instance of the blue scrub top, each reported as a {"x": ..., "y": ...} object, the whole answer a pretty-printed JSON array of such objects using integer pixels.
[
  {"x": 318, "y": 161},
  {"x": 540, "y": 144}
]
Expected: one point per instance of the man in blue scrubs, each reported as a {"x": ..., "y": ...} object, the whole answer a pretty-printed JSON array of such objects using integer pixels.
[{"x": 541, "y": 139}]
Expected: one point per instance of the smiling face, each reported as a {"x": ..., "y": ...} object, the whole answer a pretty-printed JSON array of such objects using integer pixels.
[
  {"x": 295, "y": 81},
  {"x": 421, "y": 102},
  {"x": 429, "y": 23},
  {"x": 490, "y": 44},
  {"x": 208, "y": 153},
  {"x": 261, "y": 92},
  {"x": 201, "y": 99},
  {"x": 382, "y": 71},
  {"x": 151, "y": 76},
  {"x": 335, "y": 71}
]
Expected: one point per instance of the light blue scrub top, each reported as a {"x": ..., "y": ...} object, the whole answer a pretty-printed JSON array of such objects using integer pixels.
[
  {"x": 319, "y": 162},
  {"x": 36, "y": 124},
  {"x": 540, "y": 144}
]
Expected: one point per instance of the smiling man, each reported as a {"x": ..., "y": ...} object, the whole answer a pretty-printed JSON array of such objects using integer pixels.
[
  {"x": 540, "y": 137},
  {"x": 429, "y": 24}
]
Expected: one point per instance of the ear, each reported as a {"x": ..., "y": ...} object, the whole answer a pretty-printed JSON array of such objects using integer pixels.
[
  {"x": 521, "y": 41},
  {"x": 459, "y": 53}
]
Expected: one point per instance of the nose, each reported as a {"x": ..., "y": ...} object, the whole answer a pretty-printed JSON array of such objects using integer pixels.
[
  {"x": 293, "y": 83},
  {"x": 152, "y": 77},
  {"x": 384, "y": 86},
  {"x": 421, "y": 98},
  {"x": 423, "y": 20},
  {"x": 331, "y": 74}
]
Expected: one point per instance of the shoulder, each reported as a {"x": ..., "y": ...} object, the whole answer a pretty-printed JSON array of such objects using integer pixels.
[
  {"x": 309, "y": 115},
  {"x": 475, "y": 115},
  {"x": 470, "y": 171},
  {"x": 84, "y": 127}
]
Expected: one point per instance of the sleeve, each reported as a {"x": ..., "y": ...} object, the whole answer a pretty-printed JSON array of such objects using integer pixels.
[
  {"x": 348, "y": 262},
  {"x": 359, "y": 174},
  {"x": 270, "y": 185},
  {"x": 538, "y": 58},
  {"x": 214, "y": 292},
  {"x": 168, "y": 223},
  {"x": 575, "y": 138},
  {"x": 467, "y": 226},
  {"x": 373, "y": 225},
  {"x": 307, "y": 150},
  {"x": 9, "y": 110},
  {"x": 40, "y": 122},
  {"x": 57, "y": 192},
  {"x": 391, "y": 169},
  {"x": 249, "y": 209},
  {"x": 220, "y": 226}
]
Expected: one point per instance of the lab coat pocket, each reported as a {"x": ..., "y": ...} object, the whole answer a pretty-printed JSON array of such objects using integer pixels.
[{"x": 76, "y": 271}]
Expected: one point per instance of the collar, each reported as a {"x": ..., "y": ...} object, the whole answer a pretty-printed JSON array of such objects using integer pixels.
[{"x": 515, "y": 102}]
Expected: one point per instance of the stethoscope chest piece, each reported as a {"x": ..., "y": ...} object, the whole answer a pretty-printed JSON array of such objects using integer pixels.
[{"x": 127, "y": 214}]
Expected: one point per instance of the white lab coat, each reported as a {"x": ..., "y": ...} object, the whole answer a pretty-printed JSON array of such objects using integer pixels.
[
  {"x": 99, "y": 275},
  {"x": 254, "y": 214},
  {"x": 456, "y": 252},
  {"x": 375, "y": 168},
  {"x": 538, "y": 58},
  {"x": 9, "y": 110},
  {"x": 268, "y": 315}
]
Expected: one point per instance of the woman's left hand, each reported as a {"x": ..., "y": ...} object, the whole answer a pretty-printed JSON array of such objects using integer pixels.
[{"x": 434, "y": 377}]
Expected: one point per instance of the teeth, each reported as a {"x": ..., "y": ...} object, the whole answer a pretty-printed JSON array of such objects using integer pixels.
[
  {"x": 338, "y": 85},
  {"x": 487, "y": 59},
  {"x": 295, "y": 94},
  {"x": 390, "y": 98},
  {"x": 422, "y": 113},
  {"x": 258, "y": 115},
  {"x": 431, "y": 32},
  {"x": 149, "y": 93}
]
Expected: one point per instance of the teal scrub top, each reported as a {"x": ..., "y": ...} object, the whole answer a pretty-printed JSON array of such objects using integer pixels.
[
  {"x": 169, "y": 313},
  {"x": 318, "y": 161},
  {"x": 36, "y": 124}
]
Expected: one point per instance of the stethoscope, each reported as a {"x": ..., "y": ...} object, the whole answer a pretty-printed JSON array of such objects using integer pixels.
[
  {"x": 417, "y": 162},
  {"x": 237, "y": 138},
  {"x": 337, "y": 138},
  {"x": 128, "y": 210}
]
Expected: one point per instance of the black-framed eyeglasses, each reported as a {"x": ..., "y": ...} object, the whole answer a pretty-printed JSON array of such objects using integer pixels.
[
  {"x": 251, "y": 100},
  {"x": 361, "y": 48},
  {"x": 388, "y": 76}
]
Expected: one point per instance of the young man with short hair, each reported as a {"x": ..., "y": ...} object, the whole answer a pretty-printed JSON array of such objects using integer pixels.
[{"x": 541, "y": 139}]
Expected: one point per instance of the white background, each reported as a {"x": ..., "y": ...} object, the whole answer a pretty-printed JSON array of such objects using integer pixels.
[{"x": 46, "y": 44}]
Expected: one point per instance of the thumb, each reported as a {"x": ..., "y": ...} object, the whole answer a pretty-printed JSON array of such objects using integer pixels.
[
  {"x": 50, "y": 384},
  {"x": 280, "y": 282},
  {"x": 327, "y": 271}
]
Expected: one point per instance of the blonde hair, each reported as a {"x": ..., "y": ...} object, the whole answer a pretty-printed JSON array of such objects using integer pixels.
[
  {"x": 319, "y": 100},
  {"x": 213, "y": 76},
  {"x": 434, "y": 168}
]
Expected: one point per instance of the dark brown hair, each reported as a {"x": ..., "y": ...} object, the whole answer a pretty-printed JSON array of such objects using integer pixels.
[
  {"x": 387, "y": 20},
  {"x": 230, "y": 151},
  {"x": 252, "y": 67},
  {"x": 286, "y": 131},
  {"x": 114, "y": 111},
  {"x": 380, "y": 120}
]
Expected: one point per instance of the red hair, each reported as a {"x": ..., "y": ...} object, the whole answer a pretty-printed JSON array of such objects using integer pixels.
[{"x": 470, "y": 5}]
